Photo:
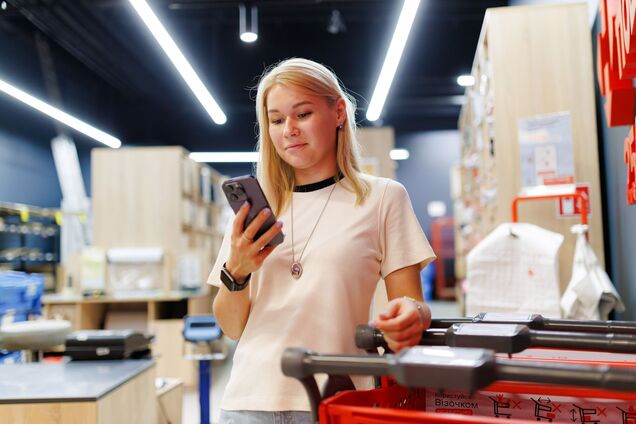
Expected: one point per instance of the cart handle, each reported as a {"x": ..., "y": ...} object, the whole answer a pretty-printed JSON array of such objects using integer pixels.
[
  {"x": 476, "y": 370},
  {"x": 576, "y": 195}
]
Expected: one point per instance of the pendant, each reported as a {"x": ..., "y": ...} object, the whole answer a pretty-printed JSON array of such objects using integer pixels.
[{"x": 296, "y": 270}]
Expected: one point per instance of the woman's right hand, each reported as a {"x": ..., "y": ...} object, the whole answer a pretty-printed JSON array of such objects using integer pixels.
[{"x": 246, "y": 254}]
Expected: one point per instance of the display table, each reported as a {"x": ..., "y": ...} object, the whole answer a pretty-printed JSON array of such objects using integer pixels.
[
  {"x": 117, "y": 392},
  {"x": 159, "y": 313}
]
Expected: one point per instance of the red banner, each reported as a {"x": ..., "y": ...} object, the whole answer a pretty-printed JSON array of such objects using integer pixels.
[{"x": 616, "y": 68}]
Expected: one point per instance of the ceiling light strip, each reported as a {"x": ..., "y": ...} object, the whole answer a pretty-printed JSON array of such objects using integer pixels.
[
  {"x": 60, "y": 116},
  {"x": 179, "y": 61},
  {"x": 392, "y": 59},
  {"x": 224, "y": 157}
]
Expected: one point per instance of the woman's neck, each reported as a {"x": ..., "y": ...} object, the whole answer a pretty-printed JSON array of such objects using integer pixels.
[{"x": 304, "y": 177}]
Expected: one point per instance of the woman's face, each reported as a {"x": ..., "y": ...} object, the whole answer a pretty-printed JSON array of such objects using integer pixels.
[{"x": 303, "y": 129}]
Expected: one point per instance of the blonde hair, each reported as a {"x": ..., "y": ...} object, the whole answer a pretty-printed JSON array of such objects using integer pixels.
[{"x": 275, "y": 175}]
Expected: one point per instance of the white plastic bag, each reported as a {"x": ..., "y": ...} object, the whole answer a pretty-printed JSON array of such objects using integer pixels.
[
  {"x": 514, "y": 269},
  {"x": 590, "y": 295}
]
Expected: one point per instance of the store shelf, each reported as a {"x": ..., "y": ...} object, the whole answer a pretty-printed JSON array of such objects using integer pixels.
[{"x": 530, "y": 61}]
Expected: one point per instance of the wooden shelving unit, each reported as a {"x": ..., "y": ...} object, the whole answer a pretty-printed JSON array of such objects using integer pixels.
[
  {"x": 529, "y": 61},
  {"x": 157, "y": 197},
  {"x": 153, "y": 197}
]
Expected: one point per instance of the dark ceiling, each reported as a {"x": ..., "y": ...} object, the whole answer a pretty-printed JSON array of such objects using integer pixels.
[{"x": 112, "y": 73}]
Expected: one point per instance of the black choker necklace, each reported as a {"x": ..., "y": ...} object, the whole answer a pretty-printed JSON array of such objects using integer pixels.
[{"x": 317, "y": 185}]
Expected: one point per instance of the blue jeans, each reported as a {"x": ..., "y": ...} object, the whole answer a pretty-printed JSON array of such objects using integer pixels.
[{"x": 264, "y": 417}]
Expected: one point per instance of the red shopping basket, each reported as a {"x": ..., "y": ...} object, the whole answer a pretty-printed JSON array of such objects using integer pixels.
[
  {"x": 394, "y": 404},
  {"x": 465, "y": 385},
  {"x": 515, "y": 402}
]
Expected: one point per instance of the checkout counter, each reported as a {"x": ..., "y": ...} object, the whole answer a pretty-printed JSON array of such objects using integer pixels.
[
  {"x": 87, "y": 392},
  {"x": 102, "y": 384}
]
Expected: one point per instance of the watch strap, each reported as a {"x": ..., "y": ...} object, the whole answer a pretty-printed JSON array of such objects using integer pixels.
[{"x": 230, "y": 282}]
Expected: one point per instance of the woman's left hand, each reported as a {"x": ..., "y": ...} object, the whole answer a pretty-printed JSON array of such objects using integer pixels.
[{"x": 403, "y": 323}]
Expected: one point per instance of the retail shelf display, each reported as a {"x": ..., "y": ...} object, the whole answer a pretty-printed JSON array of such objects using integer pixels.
[
  {"x": 158, "y": 197},
  {"x": 525, "y": 67},
  {"x": 29, "y": 239}
]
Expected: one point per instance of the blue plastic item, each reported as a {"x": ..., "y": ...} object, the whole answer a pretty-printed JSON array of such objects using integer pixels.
[
  {"x": 202, "y": 329},
  {"x": 20, "y": 294},
  {"x": 11, "y": 357},
  {"x": 427, "y": 276}
]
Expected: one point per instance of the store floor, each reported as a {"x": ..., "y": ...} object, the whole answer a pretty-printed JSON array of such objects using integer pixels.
[{"x": 221, "y": 373}]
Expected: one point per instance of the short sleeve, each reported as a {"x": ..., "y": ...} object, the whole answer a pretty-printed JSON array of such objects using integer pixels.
[
  {"x": 215, "y": 275},
  {"x": 402, "y": 240}
]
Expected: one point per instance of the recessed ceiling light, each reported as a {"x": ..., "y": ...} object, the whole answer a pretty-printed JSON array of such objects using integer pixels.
[
  {"x": 248, "y": 24},
  {"x": 3, "y": 5},
  {"x": 399, "y": 154},
  {"x": 436, "y": 209},
  {"x": 248, "y": 37},
  {"x": 466, "y": 80},
  {"x": 336, "y": 24}
]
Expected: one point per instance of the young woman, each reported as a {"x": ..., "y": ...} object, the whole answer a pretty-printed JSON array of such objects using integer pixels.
[{"x": 344, "y": 231}]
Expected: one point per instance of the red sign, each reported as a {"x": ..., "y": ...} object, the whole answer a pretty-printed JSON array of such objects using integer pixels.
[
  {"x": 616, "y": 66},
  {"x": 630, "y": 161},
  {"x": 571, "y": 206}
]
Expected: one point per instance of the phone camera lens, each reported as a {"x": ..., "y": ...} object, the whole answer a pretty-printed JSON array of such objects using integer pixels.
[{"x": 234, "y": 197}]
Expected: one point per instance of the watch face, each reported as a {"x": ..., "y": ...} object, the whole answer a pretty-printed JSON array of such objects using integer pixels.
[
  {"x": 230, "y": 282},
  {"x": 227, "y": 279}
]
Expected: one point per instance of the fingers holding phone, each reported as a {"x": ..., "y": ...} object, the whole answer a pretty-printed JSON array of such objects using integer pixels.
[
  {"x": 255, "y": 232},
  {"x": 249, "y": 249}
]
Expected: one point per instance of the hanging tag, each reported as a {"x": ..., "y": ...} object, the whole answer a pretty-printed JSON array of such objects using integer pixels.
[{"x": 58, "y": 217}]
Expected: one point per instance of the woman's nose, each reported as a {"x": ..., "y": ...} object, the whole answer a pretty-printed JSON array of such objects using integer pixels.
[{"x": 290, "y": 128}]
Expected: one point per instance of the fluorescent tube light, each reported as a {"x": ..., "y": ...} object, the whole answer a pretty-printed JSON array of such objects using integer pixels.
[
  {"x": 179, "y": 61},
  {"x": 224, "y": 157},
  {"x": 392, "y": 59},
  {"x": 466, "y": 80},
  {"x": 58, "y": 115},
  {"x": 399, "y": 154}
]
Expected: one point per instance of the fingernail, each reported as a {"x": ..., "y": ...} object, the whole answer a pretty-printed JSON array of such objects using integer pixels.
[
  {"x": 371, "y": 323},
  {"x": 267, "y": 212},
  {"x": 279, "y": 224},
  {"x": 245, "y": 204}
]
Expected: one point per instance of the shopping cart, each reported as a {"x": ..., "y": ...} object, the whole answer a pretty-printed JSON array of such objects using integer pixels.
[
  {"x": 505, "y": 338},
  {"x": 452, "y": 385}
]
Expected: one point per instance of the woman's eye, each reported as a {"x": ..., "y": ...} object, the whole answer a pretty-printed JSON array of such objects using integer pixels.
[
  {"x": 304, "y": 114},
  {"x": 276, "y": 121}
]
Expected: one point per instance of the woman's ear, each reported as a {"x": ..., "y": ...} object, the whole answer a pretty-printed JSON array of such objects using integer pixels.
[{"x": 341, "y": 111}]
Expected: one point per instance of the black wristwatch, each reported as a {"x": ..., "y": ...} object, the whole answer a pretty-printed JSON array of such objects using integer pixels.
[{"x": 230, "y": 282}]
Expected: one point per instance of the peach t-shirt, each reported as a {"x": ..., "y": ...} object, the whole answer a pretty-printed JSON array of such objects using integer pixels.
[{"x": 350, "y": 250}]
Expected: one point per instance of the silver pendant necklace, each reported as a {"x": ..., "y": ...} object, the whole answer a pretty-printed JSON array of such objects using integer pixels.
[{"x": 296, "y": 268}]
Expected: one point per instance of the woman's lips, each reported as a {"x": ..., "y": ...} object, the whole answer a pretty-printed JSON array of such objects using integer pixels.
[{"x": 294, "y": 147}]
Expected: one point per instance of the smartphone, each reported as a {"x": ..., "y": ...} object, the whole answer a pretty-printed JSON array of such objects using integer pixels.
[{"x": 246, "y": 188}]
